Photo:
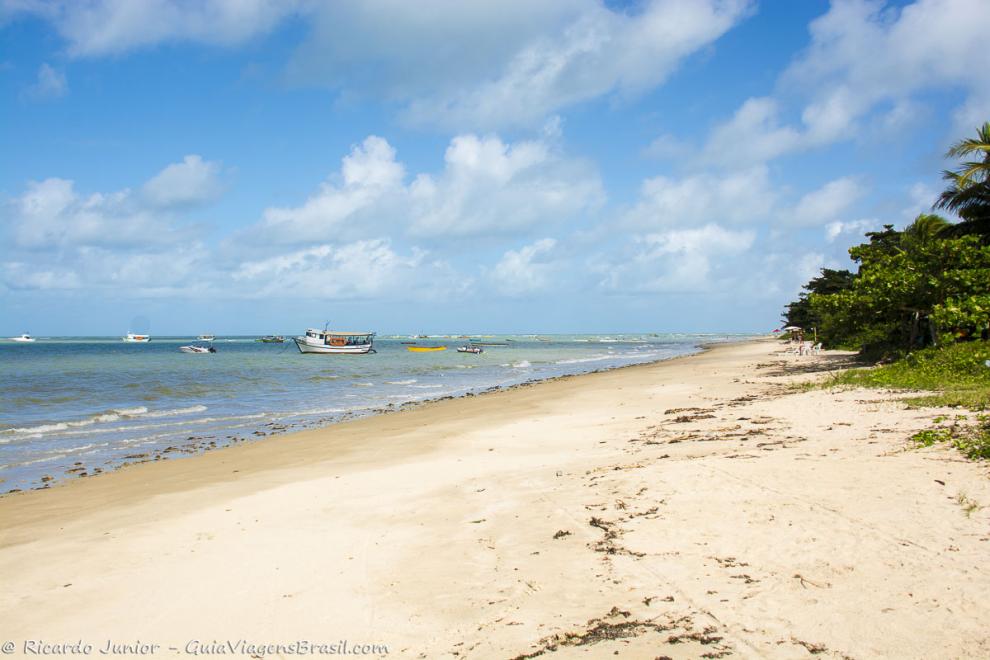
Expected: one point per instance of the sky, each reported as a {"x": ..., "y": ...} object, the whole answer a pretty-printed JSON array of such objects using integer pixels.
[{"x": 549, "y": 166}]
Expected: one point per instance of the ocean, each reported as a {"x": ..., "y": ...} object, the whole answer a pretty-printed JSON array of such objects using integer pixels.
[{"x": 78, "y": 406}]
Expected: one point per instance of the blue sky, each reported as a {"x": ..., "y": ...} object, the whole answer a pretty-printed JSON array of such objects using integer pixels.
[{"x": 556, "y": 166}]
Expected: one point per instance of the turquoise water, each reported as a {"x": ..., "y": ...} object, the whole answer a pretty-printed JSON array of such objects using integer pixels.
[{"x": 70, "y": 406}]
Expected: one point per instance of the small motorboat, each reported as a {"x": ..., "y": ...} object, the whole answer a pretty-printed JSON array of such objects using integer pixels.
[
  {"x": 24, "y": 339},
  {"x": 196, "y": 350},
  {"x": 470, "y": 349},
  {"x": 132, "y": 338},
  {"x": 425, "y": 349}
]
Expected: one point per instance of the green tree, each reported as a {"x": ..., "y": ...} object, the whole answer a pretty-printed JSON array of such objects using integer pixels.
[
  {"x": 799, "y": 312},
  {"x": 968, "y": 194},
  {"x": 912, "y": 289}
]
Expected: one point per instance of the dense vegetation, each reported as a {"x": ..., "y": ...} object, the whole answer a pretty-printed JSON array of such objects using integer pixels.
[
  {"x": 925, "y": 285},
  {"x": 920, "y": 299}
]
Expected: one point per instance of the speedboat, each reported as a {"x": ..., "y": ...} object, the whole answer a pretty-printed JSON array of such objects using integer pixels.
[
  {"x": 193, "y": 348},
  {"x": 24, "y": 339},
  {"x": 206, "y": 337},
  {"x": 470, "y": 349},
  {"x": 334, "y": 341},
  {"x": 132, "y": 338}
]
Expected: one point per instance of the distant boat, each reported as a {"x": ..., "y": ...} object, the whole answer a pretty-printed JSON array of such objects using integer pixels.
[
  {"x": 271, "y": 339},
  {"x": 470, "y": 349},
  {"x": 425, "y": 349},
  {"x": 192, "y": 348},
  {"x": 206, "y": 337},
  {"x": 132, "y": 338},
  {"x": 24, "y": 339},
  {"x": 489, "y": 343},
  {"x": 332, "y": 341}
]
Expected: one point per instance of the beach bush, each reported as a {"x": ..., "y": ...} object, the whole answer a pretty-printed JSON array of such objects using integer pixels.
[
  {"x": 972, "y": 440},
  {"x": 956, "y": 375}
]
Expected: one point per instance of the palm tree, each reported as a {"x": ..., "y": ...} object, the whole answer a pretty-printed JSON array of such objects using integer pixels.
[{"x": 968, "y": 194}]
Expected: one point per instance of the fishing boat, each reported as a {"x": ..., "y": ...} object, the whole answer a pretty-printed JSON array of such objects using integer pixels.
[
  {"x": 206, "y": 337},
  {"x": 132, "y": 338},
  {"x": 333, "y": 341},
  {"x": 470, "y": 349},
  {"x": 24, "y": 339},
  {"x": 271, "y": 339},
  {"x": 425, "y": 349},
  {"x": 197, "y": 350}
]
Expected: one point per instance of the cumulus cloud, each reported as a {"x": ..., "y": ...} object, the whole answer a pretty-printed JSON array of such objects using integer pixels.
[
  {"x": 50, "y": 84},
  {"x": 527, "y": 270},
  {"x": 484, "y": 64},
  {"x": 866, "y": 59},
  {"x": 109, "y": 27},
  {"x": 348, "y": 205},
  {"x": 51, "y": 214},
  {"x": 495, "y": 64},
  {"x": 742, "y": 196},
  {"x": 826, "y": 203},
  {"x": 835, "y": 229},
  {"x": 360, "y": 269},
  {"x": 487, "y": 187},
  {"x": 191, "y": 182},
  {"x": 677, "y": 261},
  {"x": 59, "y": 238}
]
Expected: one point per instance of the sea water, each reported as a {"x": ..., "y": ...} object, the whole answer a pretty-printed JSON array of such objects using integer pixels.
[{"x": 77, "y": 406}]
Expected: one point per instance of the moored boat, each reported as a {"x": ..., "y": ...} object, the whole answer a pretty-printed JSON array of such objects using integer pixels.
[
  {"x": 470, "y": 349},
  {"x": 24, "y": 339},
  {"x": 333, "y": 341},
  {"x": 425, "y": 349},
  {"x": 132, "y": 338}
]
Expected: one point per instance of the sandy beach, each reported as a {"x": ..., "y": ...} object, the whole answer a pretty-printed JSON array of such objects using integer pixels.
[{"x": 699, "y": 507}]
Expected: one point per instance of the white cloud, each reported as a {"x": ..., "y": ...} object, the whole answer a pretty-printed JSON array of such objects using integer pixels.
[
  {"x": 108, "y": 27},
  {"x": 753, "y": 135},
  {"x": 361, "y": 269},
  {"x": 349, "y": 205},
  {"x": 526, "y": 270},
  {"x": 826, "y": 203},
  {"x": 866, "y": 58},
  {"x": 191, "y": 182},
  {"x": 679, "y": 260},
  {"x": 734, "y": 197},
  {"x": 490, "y": 187},
  {"x": 835, "y": 229},
  {"x": 50, "y": 214},
  {"x": 487, "y": 187},
  {"x": 492, "y": 64},
  {"x": 50, "y": 84}
]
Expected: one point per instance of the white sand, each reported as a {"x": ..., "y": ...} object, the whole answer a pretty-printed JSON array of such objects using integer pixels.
[{"x": 767, "y": 524}]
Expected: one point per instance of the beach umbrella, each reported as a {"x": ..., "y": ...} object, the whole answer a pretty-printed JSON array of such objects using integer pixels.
[{"x": 792, "y": 327}]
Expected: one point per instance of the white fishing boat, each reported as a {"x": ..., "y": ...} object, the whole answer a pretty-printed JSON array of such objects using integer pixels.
[
  {"x": 24, "y": 339},
  {"x": 333, "y": 341},
  {"x": 471, "y": 349},
  {"x": 206, "y": 337},
  {"x": 132, "y": 338},
  {"x": 198, "y": 350}
]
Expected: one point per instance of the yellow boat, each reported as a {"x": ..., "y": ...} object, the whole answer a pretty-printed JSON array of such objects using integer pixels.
[{"x": 425, "y": 349}]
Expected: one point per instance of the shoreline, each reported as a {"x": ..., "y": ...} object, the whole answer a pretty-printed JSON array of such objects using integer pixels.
[
  {"x": 197, "y": 446},
  {"x": 691, "y": 505}
]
